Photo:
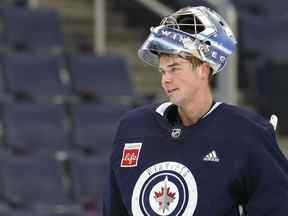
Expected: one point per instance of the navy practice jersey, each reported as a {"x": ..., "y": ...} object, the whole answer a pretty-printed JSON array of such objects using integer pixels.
[{"x": 228, "y": 158}]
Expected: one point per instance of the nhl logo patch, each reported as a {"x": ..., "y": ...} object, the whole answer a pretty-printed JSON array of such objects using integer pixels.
[
  {"x": 175, "y": 133},
  {"x": 130, "y": 154}
]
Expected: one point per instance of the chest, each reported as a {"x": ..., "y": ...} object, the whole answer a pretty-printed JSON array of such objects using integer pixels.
[{"x": 176, "y": 176}]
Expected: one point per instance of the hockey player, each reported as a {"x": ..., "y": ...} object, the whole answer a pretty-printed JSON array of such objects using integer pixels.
[{"x": 192, "y": 155}]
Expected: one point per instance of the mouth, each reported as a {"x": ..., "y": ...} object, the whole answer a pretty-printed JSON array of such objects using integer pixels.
[{"x": 171, "y": 91}]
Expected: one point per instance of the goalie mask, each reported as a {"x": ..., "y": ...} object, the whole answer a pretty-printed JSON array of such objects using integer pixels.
[{"x": 192, "y": 31}]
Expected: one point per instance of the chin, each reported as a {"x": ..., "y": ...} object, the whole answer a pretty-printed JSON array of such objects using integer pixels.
[{"x": 176, "y": 101}]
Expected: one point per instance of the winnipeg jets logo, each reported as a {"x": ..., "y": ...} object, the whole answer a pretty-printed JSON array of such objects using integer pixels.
[
  {"x": 165, "y": 188},
  {"x": 164, "y": 197}
]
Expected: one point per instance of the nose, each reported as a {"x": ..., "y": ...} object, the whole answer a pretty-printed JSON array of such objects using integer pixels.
[{"x": 166, "y": 77}]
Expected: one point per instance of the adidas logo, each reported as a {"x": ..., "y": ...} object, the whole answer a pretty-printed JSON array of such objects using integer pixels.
[{"x": 212, "y": 156}]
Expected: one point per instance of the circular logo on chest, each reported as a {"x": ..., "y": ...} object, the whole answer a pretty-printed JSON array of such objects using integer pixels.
[{"x": 166, "y": 188}]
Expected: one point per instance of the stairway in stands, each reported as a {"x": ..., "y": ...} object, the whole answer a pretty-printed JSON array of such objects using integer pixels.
[{"x": 123, "y": 40}]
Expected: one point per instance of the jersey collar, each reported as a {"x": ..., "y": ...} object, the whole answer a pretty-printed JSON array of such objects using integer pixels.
[{"x": 164, "y": 106}]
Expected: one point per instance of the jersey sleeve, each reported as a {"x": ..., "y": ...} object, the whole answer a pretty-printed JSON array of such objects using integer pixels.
[
  {"x": 112, "y": 201},
  {"x": 266, "y": 176}
]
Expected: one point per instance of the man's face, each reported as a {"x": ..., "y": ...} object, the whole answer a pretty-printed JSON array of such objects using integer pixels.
[{"x": 180, "y": 81}]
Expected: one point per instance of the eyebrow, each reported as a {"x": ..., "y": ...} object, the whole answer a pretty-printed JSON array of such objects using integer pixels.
[
  {"x": 171, "y": 65},
  {"x": 174, "y": 64}
]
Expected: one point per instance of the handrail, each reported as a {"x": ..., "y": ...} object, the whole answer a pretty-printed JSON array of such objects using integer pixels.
[{"x": 156, "y": 7}]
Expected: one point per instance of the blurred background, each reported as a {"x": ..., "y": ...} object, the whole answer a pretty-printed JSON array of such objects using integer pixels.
[{"x": 69, "y": 69}]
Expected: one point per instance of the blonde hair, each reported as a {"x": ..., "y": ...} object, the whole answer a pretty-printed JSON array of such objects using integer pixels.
[{"x": 195, "y": 62}]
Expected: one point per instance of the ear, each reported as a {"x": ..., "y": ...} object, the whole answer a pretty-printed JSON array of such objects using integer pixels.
[{"x": 205, "y": 71}]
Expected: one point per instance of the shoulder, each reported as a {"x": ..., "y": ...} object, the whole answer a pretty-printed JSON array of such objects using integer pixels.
[
  {"x": 138, "y": 122},
  {"x": 139, "y": 113},
  {"x": 252, "y": 131},
  {"x": 245, "y": 118}
]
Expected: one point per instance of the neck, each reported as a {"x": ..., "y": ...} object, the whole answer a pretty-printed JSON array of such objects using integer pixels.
[{"x": 192, "y": 112}]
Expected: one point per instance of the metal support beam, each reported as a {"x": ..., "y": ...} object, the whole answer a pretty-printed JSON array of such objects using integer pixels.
[
  {"x": 33, "y": 3},
  {"x": 227, "y": 82},
  {"x": 227, "y": 89},
  {"x": 99, "y": 26}
]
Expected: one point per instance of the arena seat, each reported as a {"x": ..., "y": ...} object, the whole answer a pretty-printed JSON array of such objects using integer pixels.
[
  {"x": 35, "y": 128},
  {"x": 32, "y": 29},
  {"x": 34, "y": 76},
  {"x": 94, "y": 126},
  {"x": 102, "y": 78}
]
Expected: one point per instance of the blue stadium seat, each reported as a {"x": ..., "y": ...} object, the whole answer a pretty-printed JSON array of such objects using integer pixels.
[
  {"x": 34, "y": 76},
  {"x": 271, "y": 92},
  {"x": 4, "y": 203},
  {"x": 252, "y": 30},
  {"x": 6, "y": 211},
  {"x": 88, "y": 176},
  {"x": 275, "y": 38},
  {"x": 261, "y": 38},
  {"x": 103, "y": 78},
  {"x": 178, "y": 4},
  {"x": 34, "y": 182},
  {"x": 4, "y": 96},
  {"x": 251, "y": 6},
  {"x": 136, "y": 14},
  {"x": 21, "y": 212},
  {"x": 94, "y": 126},
  {"x": 251, "y": 48},
  {"x": 275, "y": 10},
  {"x": 18, "y": 3},
  {"x": 32, "y": 29},
  {"x": 267, "y": 8},
  {"x": 259, "y": 34},
  {"x": 35, "y": 128},
  {"x": 24, "y": 213},
  {"x": 272, "y": 79}
]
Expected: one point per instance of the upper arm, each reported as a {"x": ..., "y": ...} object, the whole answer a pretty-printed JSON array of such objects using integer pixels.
[
  {"x": 266, "y": 178},
  {"x": 112, "y": 203}
]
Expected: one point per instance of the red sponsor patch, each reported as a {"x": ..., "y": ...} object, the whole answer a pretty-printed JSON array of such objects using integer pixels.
[{"x": 130, "y": 154}]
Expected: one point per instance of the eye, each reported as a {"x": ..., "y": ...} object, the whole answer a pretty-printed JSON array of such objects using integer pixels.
[{"x": 174, "y": 69}]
